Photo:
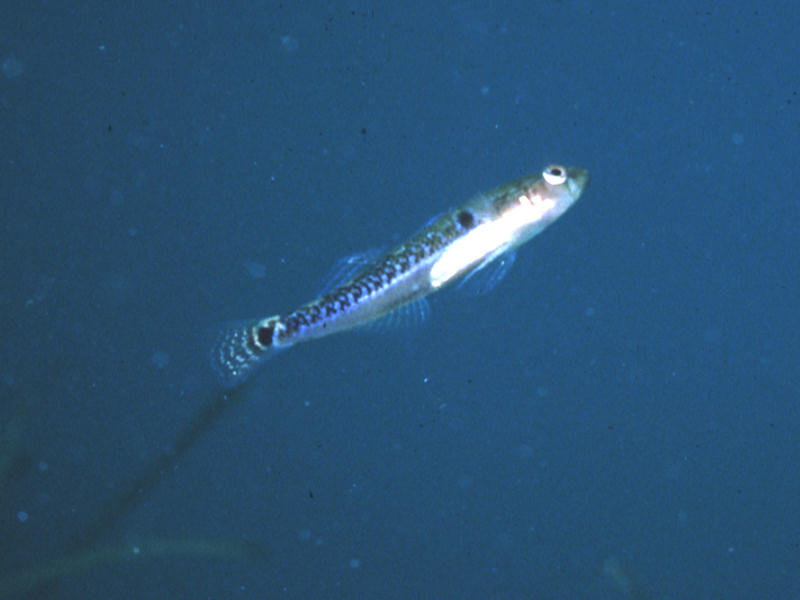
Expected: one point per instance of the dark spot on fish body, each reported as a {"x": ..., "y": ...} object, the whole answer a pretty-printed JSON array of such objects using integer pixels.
[
  {"x": 466, "y": 219},
  {"x": 314, "y": 313},
  {"x": 402, "y": 265},
  {"x": 264, "y": 335}
]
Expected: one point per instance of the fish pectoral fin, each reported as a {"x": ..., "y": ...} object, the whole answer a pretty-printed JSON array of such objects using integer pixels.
[{"x": 486, "y": 276}]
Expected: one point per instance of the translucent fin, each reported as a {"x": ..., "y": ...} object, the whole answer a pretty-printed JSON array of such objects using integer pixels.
[
  {"x": 235, "y": 356},
  {"x": 407, "y": 316},
  {"x": 484, "y": 279},
  {"x": 348, "y": 267}
]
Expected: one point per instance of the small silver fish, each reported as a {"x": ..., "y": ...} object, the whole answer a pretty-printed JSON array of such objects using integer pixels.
[{"x": 455, "y": 245}]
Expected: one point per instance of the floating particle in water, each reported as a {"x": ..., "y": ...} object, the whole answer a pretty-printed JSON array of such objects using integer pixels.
[
  {"x": 12, "y": 67},
  {"x": 465, "y": 481},
  {"x": 22, "y": 516},
  {"x": 160, "y": 359},
  {"x": 254, "y": 269},
  {"x": 116, "y": 198},
  {"x": 683, "y": 518},
  {"x": 738, "y": 138},
  {"x": 42, "y": 289},
  {"x": 117, "y": 289},
  {"x": 355, "y": 563},
  {"x": 525, "y": 451},
  {"x": 289, "y": 44}
]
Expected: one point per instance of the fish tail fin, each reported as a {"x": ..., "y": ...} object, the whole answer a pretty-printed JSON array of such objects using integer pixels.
[{"x": 242, "y": 347}]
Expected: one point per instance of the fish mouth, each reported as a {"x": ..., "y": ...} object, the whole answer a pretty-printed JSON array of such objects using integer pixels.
[{"x": 580, "y": 177}]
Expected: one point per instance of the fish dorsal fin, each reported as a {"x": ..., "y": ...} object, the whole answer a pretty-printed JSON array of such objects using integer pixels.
[
  {"x": 345, "y": 269},
  {"x": 486, "y": 277}
]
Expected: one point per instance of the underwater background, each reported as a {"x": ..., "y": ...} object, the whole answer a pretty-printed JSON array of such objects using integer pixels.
[{"x": 619, "y": 418}]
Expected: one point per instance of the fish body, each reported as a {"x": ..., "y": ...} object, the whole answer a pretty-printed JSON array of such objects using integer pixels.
[{"x": 452, "y": 246}]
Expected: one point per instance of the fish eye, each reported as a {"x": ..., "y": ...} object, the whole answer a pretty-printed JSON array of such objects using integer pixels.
[{"x": 554, "y": 174}]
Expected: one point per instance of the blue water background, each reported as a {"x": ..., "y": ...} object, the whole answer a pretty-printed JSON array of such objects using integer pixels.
[{"x": 624, "y": 405}]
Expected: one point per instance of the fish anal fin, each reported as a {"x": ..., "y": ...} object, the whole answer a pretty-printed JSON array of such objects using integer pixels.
[{"x": 408, "y": 316}]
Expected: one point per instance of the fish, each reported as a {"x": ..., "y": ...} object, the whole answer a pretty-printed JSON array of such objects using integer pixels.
[{"x": 451, "y": 247}]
